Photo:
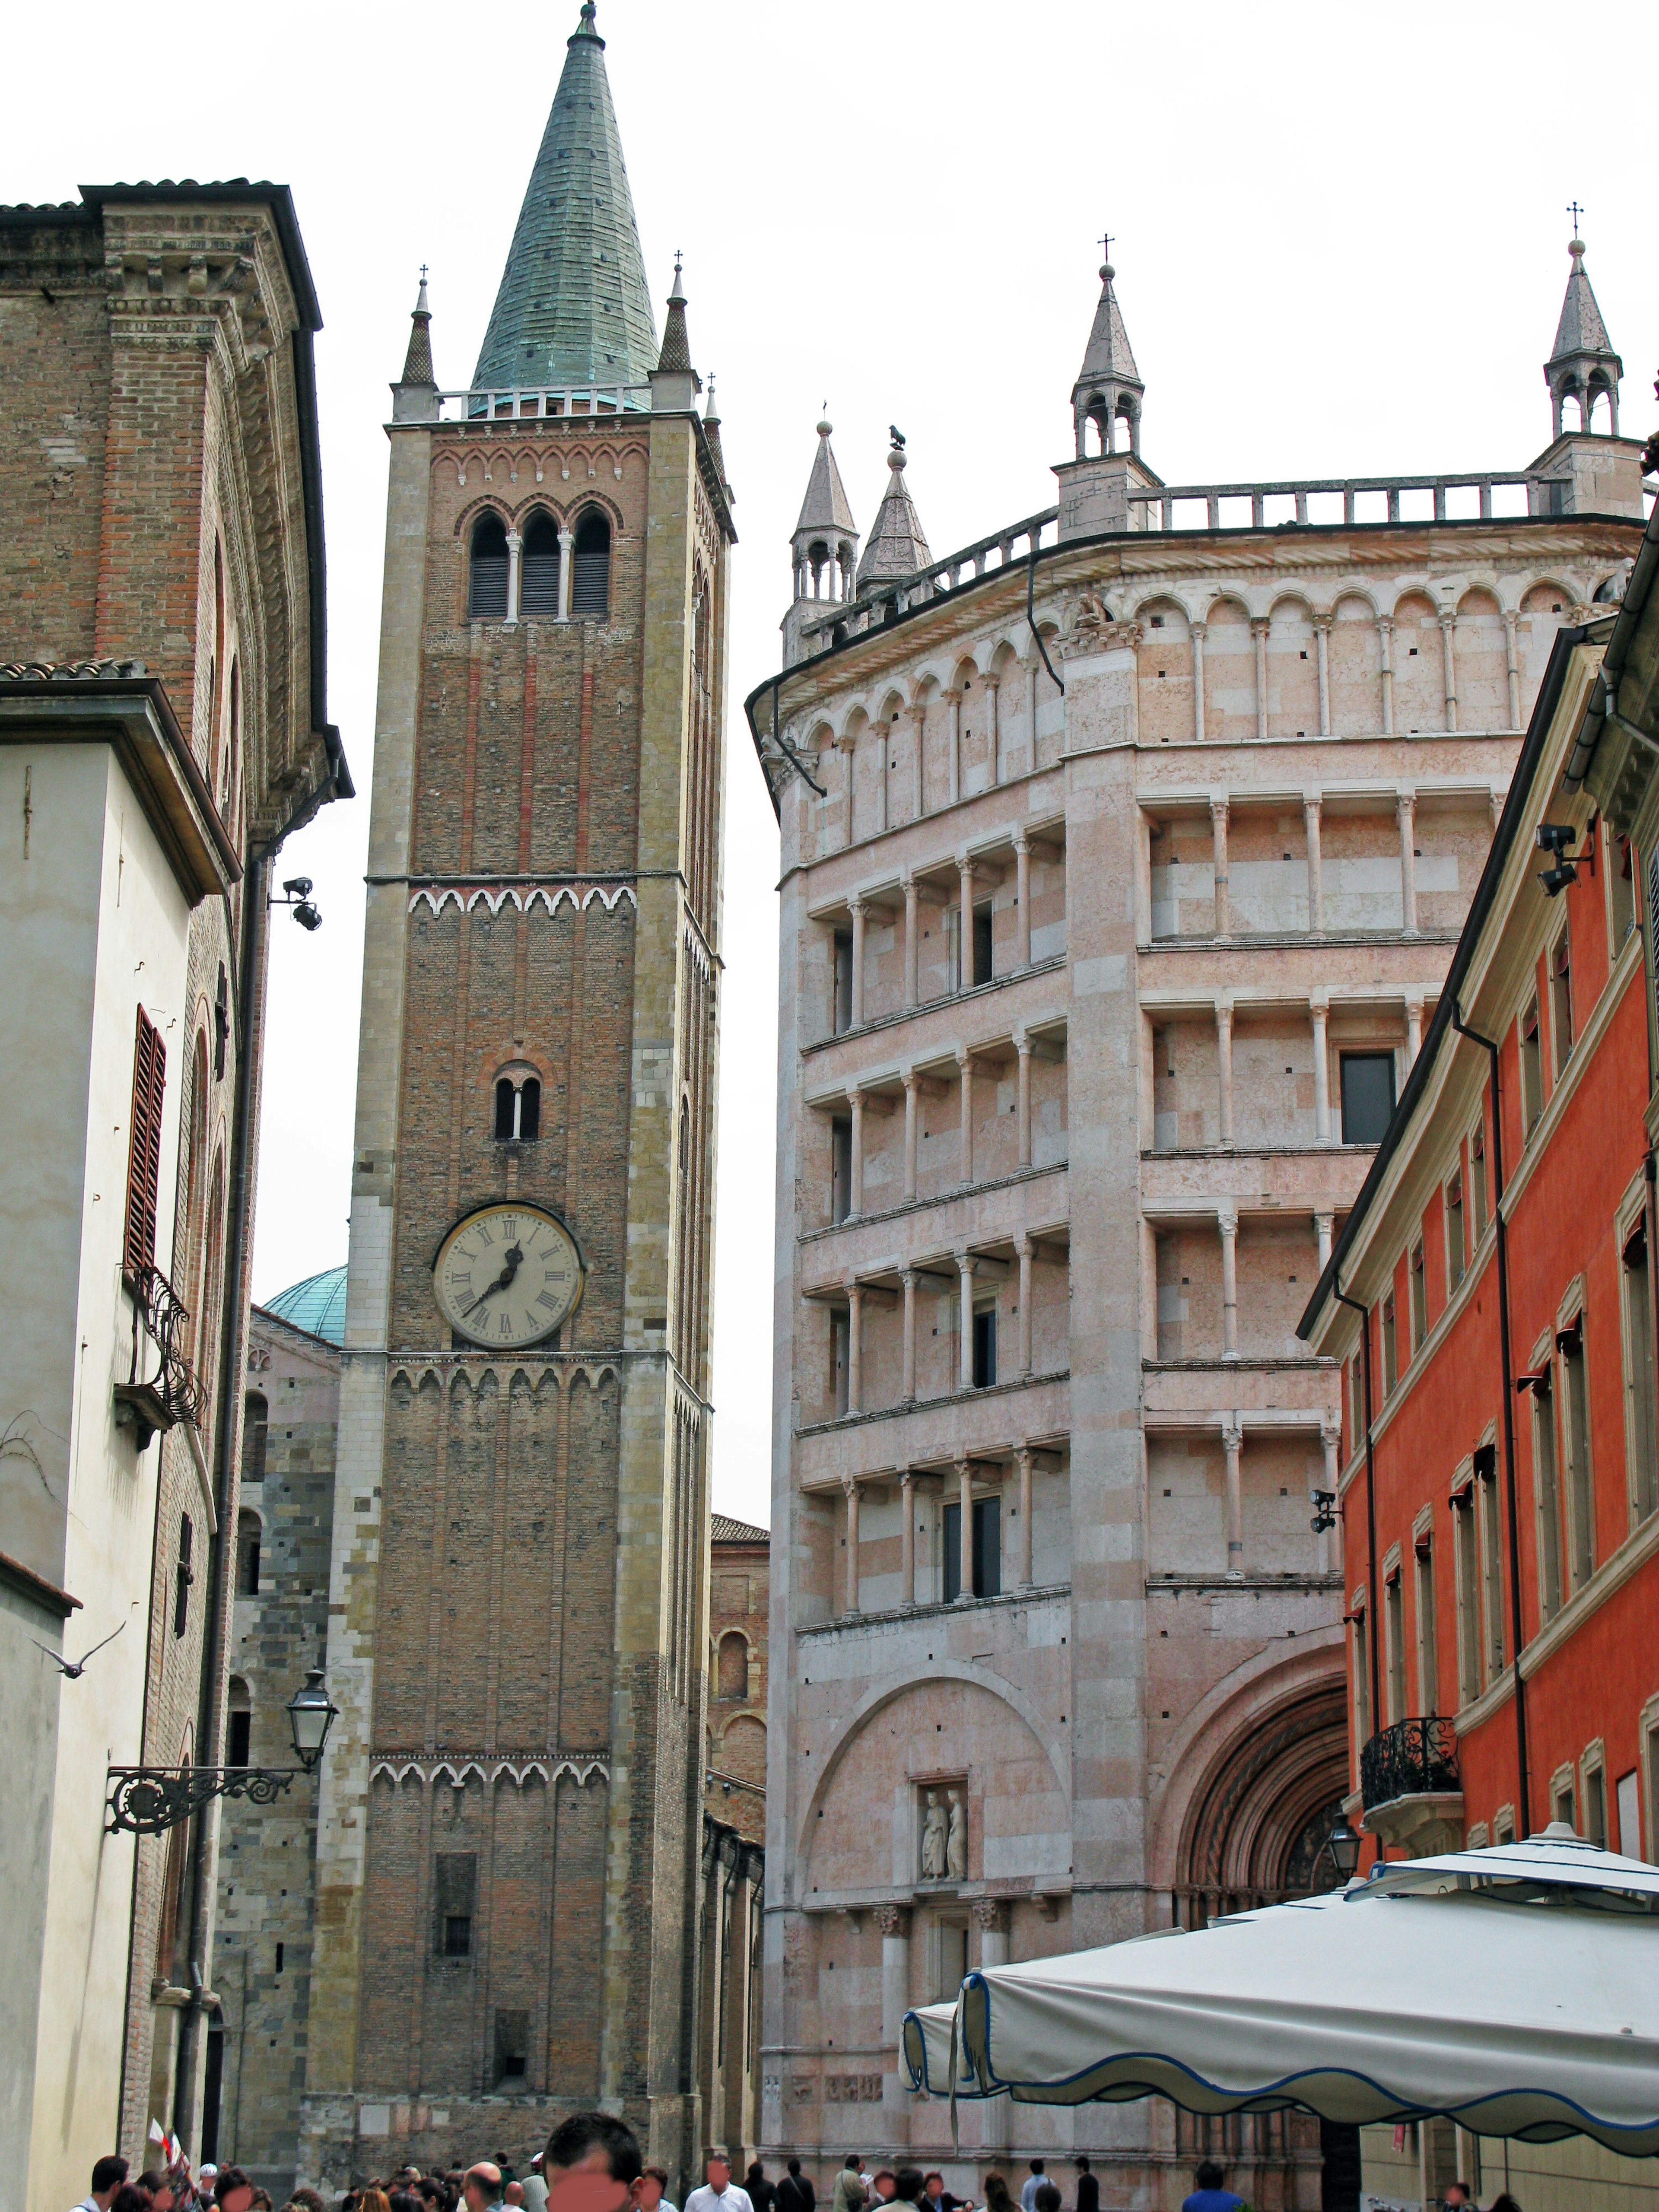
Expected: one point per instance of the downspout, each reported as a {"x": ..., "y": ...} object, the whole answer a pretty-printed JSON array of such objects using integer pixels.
[
  {"x": 1036, "y": 634},
  {"x": 1523, "y": 1775},
  {"x": 248, "y": 1037},
  {"x": 1373, "y": 1626}
]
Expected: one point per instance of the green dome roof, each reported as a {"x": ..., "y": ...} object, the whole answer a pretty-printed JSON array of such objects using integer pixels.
[{"x": 316, "y": 1305}]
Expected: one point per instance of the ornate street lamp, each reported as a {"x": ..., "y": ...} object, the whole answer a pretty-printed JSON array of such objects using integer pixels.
[
  {"x": 1344, "y": 1845},
  {"x": 147, "y": 1800}
]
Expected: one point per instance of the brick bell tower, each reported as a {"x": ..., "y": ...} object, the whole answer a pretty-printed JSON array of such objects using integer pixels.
[{"x": 509, "y": 1821}]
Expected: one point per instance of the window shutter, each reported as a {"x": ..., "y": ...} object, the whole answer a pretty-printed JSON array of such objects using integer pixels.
[
  {"x": 1653, "y": 928},
  {"x": 149, "y": 1069}
]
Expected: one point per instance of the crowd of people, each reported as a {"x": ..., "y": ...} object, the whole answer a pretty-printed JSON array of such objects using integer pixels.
[{"x": 593, "y": 2164}]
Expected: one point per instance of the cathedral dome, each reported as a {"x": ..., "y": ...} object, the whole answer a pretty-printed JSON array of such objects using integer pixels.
[{"x": 316, "y": 1305}]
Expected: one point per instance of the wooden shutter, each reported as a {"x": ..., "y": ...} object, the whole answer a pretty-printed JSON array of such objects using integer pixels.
[{"x": 149, "y": 1069}]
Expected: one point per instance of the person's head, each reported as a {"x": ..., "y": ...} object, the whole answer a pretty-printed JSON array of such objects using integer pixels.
[
  {"x": 1457, "y": 2196},
  {"x": 907, "y": 2185},
  {"x": 757, "y": 2173},
  {"x": 1209, "y": 2175},
  {"x": 852, "y": 2161},
  {"x": 933, "y": 2183},
  {"x": 886, "y": 2185},
  {"x": 129, "y": 2197},
  {"x": 262, "y": 2201},
  {"x": 232, "y": 2190},
  {"x": 107, "y": 2175},
  {"x": 717, "y": 2168},
  {"x": 592, "y": 2162},
  {"x": 1083, "y": 2163},
  {"x": 306, "y": 2200},
  {"x": 482, "y": 2185},
  {"x": 1046, "y": 2197},
  {"x": 513, "y": 2193},
  {"x": 997, "y": 2196},
  {"x": 794, "y": 2167},
  {"x": 650, "y": 2187},
  {"x": 1504, "y": 2202}
]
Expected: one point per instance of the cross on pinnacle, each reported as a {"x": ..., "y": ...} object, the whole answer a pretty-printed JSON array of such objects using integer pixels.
[
  {"x": 423, "y": 272},
  {"x": 1105, "y": 244},
  {"x": 1574, "y": 211}
]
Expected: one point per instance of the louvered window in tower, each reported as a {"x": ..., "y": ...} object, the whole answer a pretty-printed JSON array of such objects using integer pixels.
[
  {"x": 149, "y": 1068},
  {"x": 487, "y": 597},
  {"x": 590, "y": 575},
  {"x": 538, "y": 577}
]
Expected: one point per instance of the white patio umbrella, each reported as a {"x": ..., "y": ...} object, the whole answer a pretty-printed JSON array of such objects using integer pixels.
[{"x": 1515, "y": 1990}]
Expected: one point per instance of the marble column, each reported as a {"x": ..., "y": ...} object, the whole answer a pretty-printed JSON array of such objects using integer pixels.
[
  {"x": 1232, "y": 1442},
  {"x": 515, "y": 547},
  {"x": 852, "y": 1595},
  {"x": 1197, "y": 633},
  {"x": 567, "y": 552},
  {"x": 1219, "y": 832},
  {"x": 907, "y": 1078},
  {"x": 858, "y": 911},
  {"x": 855, "y": 1348},
  {"x": 909, "y": 1386},
  {"x": 1385, "y": 633},
  {"x": 1511, "y": 655},
  {"x": 1259, "y": 632},
  {"x": 894, "y": 1922},
  {"x": 1321, "y": 628},
  {"x": 855, "y": 1154},
  {"x": 1023, "y": 1049},
  {"x": 1227, "y": 1223},
  {"x": 965, "y": 1546},
  {"x": 1413, "y": 1028},
  {"x": 965, "y": 1318},
  {"x": 955, "y": 698},
  {"x": 1143, "y": 879},
  {"x": 1021, "y": 899},
  {"x": 1448, "y": 657},
  {"x": 1032, "y": 712},
  {"x": 918, "y": 733},
  {"x": 1312, "y": 815},
  {"x": 965, "y": 1132},
  {"x": 1406, "y": 808},
  {"x": 1026, "y": 1577},
  {"x": 991, "y": 1915},
  {"x": 848, "y": 750},
  {"x": 908, "y": 1535},
  {"x": 1148, "y": 1290},
  {"x": 1324, "y": 1226},
  {"x": 993, "y": 736},
  {"x": 965, "y": 929},
  {"x": 912, "y": 941},
  {"x": 1224, "y": 1031},
  {"x": 1024, "y": 1247},
  {"x": 1319, "y": 1008}
]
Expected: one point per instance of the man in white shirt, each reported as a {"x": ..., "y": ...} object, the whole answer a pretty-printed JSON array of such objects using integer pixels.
[
  {"x": 106, "y": 2177},
  {"x": 721, "y": 2193},
  {"x": 1027, "y": 2195}
]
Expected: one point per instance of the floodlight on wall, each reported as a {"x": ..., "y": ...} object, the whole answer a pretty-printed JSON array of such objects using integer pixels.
[
  {"x": 299, "y": 901},
  {"x": 1324, "y": 1512}
]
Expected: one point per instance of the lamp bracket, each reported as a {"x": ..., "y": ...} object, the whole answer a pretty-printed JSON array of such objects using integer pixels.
[{"x": 147, "y": 1800}]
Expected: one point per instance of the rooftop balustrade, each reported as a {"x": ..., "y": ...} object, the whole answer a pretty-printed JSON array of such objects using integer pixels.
[{"x": 540, "y": 403}]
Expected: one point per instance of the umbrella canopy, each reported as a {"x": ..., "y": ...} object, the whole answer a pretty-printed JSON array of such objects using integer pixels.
[{"x": 1515, "y": 1990}]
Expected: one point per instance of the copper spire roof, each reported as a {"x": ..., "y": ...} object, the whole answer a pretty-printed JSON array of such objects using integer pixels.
[{"x": 574, "y": 308}]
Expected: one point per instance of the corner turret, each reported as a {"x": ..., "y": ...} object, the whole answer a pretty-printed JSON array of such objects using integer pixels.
[
  {"x": 674, "y": 383},
  {"x": 415, "y": 395},
  {"x": 898, "y": 543},
  {"x": 824, "y": 548},
  {"x": 1094, "y": 486},
  {"x": 1584, "y": 471}
]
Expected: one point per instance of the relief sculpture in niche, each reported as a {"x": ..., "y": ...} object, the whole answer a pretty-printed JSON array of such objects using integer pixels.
[
  {"x": 955, "y": 1848},
  {"x": 934, "y": 1840}
]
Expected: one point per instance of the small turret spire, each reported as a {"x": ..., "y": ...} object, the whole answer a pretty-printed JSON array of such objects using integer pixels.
[
  {"x": 674, "y": 383},
  {"x": 1109, "y": 388},
  {"x": 898, "y": 543},
  {"x": 711, "y": 430},
  {"x": 825, "y": 545},
  {"x": 418, "y": 363},
  {"x": 1582, "y": 365}
]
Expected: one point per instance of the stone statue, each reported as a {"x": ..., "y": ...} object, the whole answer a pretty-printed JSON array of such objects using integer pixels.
[
  {"x": 934, "y": 1847},
  {"x": 956, "y": 1849}
]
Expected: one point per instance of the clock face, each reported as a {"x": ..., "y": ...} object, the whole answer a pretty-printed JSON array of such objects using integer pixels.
[{"x": 507, "y": 1275}]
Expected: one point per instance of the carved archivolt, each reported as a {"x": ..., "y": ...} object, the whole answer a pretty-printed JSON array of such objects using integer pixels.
[{"x": 524, "y": 897}]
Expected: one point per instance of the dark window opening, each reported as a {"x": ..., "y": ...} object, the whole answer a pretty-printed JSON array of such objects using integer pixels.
[
  {"x": 590, "y": 569},
  {"x": 487, "y": 597},
  {"x": 841, "y": 1012},
  {"x": 518, "y": 1110},
  {"x": 984, "y": 1347},
  {"x": 455, "y": 1894},
  {"x": 840, "y": 1334},
  {"x": 981, "y": 945},
  {"x": 987, "y": 1540},
  {"x": 247, "y": 1555},
  {"x": 840, "y": 1170},
  {"x": 282, "y": 1953},
  {"x": 238, "y": 1733},
  {"x": 511, "y": 2047},
  {"x": 183, "y": 1577},
  {"x": 1367, "y": 1096},
  {"x": 458, "y": 1935},
  {"x": 256, "y": 1433},
  {"x": 538, "y": 570}
]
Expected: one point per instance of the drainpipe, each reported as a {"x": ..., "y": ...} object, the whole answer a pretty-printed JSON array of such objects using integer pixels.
[
  {"x": 1523, "y": 1776},
  {"x": 1373, "y": 1626},
  {"x": 232, "y": 1354},
  {"x": 1036, "y": 634}
]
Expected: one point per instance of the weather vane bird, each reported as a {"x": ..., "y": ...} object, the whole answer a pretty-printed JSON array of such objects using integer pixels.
[{"x": 896, "y": 435}]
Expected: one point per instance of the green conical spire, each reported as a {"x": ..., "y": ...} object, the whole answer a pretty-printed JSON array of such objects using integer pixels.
[{"x": 573, "y": 308}]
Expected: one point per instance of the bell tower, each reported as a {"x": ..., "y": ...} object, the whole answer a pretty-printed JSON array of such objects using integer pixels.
[
  {"x": 509, "y": 1819},
  {"x": 1584, "y": 470}
]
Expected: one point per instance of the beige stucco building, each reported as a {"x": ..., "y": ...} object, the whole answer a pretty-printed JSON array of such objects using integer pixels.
[{"x": 1123, "y": 855}]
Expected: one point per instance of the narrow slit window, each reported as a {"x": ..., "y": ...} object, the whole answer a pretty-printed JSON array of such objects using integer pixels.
[
  {"x": 1561, "y": 1000},
  {"x": 1454, "y": 1258},
  {"x": 487, "y": 591}
]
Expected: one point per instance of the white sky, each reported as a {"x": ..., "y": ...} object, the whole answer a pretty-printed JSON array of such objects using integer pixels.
[{"x": 1340, "y": 235}]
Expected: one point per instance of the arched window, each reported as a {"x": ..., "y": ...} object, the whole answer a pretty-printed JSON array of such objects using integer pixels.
[
  {"x": 538, "y": 571},
  {"x": 256, "y": 1430},
  {"x": 239, "y": 1724},
  {"x": 487, "y": 598},
  {"x": 247, "y": 1554},
  {"x": 183, "y": 1576},
  {"x": 518, "y": 1110},
  {"x": 731, "y": 1678},
  {"x": 590, "y": 572}
]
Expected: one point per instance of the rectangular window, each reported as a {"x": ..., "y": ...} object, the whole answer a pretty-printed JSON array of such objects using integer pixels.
[
  {"x": 1575, "y": 1434},
  {"x": 1596, "y": 1808},
  {"x": 952, "y": 1959},
  {"x": 981, "y": 945},
  {"x": 1478, "y": 1177},
  {"x": 1532, "y": 1074},
  {"x": 1561, "y": 1000},
  {"x": 512, "y": 2048},
  {"x": 1639, "y": 1422},
  {"x": 1547, "y": 1495},
  {"x": 239, "y": 1729},
  {"x": 184, "y": 1576},
  {"x": 985, "y": 1346},
  {"x": 842, "y": 1011},
  {"x": 1428, "y": 1658},
  {"x": 840, "y": 1170},
  {"x": 1367, "y": 1096},
  {"x": 1628, "y": 1798},
  {"x": 841, "y": 1332},
  {"x": 1502, "y": 1829},
  {"x": 1420, "y": 1298},
  {"x": 1621, "y": 894},
  {"x": 1562, "y": 1807},
  {"x": 1491, "y": 1569},
  {"x": 1466, "y": 1573},
  {"x": 1390, "y": 1355},
  {"x": 150, "y": 1071},
  {"x": 1394, "y": 1610},
  {"x": 1455, "y": 1260},
  {"x": 454, "y": 1901},
  {"x": 1362, "y": 1681},
  {"x": 987, "y": 1538}
]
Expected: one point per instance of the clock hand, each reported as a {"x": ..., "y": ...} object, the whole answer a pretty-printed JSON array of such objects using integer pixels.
[{"x": 513, "y": 1260}]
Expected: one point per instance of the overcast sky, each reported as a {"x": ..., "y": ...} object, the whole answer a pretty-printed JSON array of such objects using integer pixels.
[{"x": 1340, "y": 235}]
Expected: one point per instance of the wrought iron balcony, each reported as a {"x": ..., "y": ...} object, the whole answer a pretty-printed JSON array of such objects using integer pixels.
[
  {"x": 1411, "y": 1759},
  {"x": 158, "y": 1400}
]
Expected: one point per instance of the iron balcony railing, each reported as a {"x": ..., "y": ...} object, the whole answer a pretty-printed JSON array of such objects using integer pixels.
[
  {"x": 161, "y": 1388},
  {"x": 1410, "y": 1759}
]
